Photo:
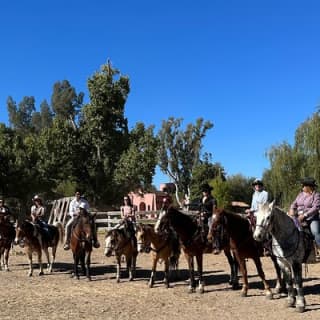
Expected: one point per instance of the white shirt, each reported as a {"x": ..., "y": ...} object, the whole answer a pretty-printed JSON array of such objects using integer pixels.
[
  {"x": 75, "y": 204},
  {"x": 259, "y": 197}
]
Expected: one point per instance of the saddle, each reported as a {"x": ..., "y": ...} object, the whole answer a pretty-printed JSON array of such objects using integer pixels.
[{"x": 46, "y": 231}]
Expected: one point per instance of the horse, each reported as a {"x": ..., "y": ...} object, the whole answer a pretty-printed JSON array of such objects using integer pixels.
[
  {"x": 164, "y": 247},
  {"x": 290, "y": 246},
  {"x": 243, "y": 245},
  {"x": 7, "y": 235},
  {"x": 34, "y": 239},
  {"x": 192, "y": 240},
  {"x": 123, "y": 244},
  {"x": 81, "y": 245}
]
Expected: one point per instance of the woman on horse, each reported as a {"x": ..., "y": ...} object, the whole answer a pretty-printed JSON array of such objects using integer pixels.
[
  {"x": 5, "y": 213},
  {"x": 305, "y": 208},
  {"x": 207, "y": 206},
  {"x": 38, "y": 212},
  {"x": 128, "y": 215}
]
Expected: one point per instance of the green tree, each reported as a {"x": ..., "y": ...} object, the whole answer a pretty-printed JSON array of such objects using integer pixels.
[
  {"x": 65, "y": 102},
  {"x": 104, "y": 129},
  {"x": 136, "y": 166},
  {"x": 180, "y": 150}
]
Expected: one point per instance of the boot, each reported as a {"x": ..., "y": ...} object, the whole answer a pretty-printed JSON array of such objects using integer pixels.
[{"x": 67, "y": 245}]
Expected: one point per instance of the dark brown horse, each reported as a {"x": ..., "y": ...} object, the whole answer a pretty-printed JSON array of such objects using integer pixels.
[
  {"x": 7, "y": 234},
  {"x": 34, "y": 239},
  {"x": 192, "y": 240},
  {"x": 81, "y": 244},
  {"x": 163, "y": 246},
  {"x": 241, "y": 242},
  {"x": 122, "y": 244}
]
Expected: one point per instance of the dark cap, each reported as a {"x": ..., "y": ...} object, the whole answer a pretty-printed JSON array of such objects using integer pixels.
[
  {"x": 206, "y": 187},
  {"x": 308, "y": 181},
  {"x": 257, "y": 182}
]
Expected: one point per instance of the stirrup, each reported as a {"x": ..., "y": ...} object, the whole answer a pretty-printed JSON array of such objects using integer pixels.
[{"x": 66, "y": 246}]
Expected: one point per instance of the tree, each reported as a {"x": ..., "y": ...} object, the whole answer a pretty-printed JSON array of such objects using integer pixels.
[
  {"x": 20, "y": 117},
  {"x": 136, "y": 166},
  {"x": 104, "y": 128},
  {"x": 65, "y": 101},
  {"x": 179, "y": 151}
]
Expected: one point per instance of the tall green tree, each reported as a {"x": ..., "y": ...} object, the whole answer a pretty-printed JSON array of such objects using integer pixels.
[
  {"x": 180, "y": 151},
  {"x": 104, "y": 128},
  {"x": 65, "y": 101},
  {"x": 137, "y": 164},
  {"x": 20, "y": 117}
]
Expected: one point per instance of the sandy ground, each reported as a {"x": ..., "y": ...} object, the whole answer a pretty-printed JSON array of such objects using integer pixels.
[{"x": 58, "y": 296}]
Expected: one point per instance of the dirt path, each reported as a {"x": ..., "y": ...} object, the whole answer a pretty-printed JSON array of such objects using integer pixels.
[{"x": 57, "y": 296}]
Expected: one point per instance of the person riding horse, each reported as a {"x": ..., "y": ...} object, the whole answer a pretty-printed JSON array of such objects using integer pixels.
[
  {"x": 206, "y": 209},
  {"x": 74, "y": 210},
  {"x": 5, "y": 213}
]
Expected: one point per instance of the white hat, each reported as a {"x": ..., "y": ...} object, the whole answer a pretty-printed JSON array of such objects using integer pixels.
[{"x": 36, "y": 197}]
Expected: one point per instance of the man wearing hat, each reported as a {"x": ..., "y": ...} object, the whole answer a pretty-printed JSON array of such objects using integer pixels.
[
  {"x": 305, "y": 208},
  {"x": 260, "y": 196},
  {"x": 207, "y": 206}
]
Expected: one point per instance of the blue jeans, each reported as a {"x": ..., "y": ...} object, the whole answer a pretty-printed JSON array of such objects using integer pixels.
[{"x": 315, "y": 230}]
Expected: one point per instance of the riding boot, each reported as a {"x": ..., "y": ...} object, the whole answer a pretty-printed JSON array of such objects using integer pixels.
[
  {"x": 96, "y": 243},
  {"x": 68, "y": 235}
]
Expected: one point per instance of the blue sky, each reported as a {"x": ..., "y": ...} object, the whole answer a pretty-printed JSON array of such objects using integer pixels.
[{"x": 251, "y": 67}]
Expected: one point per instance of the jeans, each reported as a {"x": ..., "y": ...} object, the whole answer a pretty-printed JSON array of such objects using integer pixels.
[{"x": 315, "y": 230}]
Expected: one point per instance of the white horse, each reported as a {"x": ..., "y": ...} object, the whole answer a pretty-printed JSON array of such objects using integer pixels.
[{"x": 291, "y": 247}]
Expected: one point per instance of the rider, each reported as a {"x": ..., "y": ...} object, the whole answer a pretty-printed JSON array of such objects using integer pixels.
[
  {"x": 166, "y": 202},
  {"x": 5, "y": 212},
  {"x": 128, "y": 216},
  {"x": 305, "y": 208},
  {"x": 38, "y": 212},
  {"x": 260, "y": 196},
  {"x": 74, "y": 210},
  {"x": 207, "y": 207}
]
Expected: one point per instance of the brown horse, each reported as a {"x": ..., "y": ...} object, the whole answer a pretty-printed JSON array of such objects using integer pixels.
[
  {"x": 163, "y": 246},
  {"x": 192, "y": 240},
  {"x": 243, "y": 245},
  {"x": 81, "y": 244},
  {"x": 122, "y": 244},
  {"x": 34, "y": 239},
  {"x": 7, "y": 234}
]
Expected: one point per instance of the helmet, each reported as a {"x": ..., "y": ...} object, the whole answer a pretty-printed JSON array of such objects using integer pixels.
[
  {"x": 206, "y": 187},
  {"x": 257, "y": 182},
  {"x": 36, "y": 197}
]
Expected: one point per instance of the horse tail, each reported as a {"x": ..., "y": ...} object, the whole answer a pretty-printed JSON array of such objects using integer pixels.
[{"x": 60, "y": 228}]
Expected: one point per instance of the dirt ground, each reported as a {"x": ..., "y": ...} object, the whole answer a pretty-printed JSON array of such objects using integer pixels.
[{"x": 58, "y": 296}]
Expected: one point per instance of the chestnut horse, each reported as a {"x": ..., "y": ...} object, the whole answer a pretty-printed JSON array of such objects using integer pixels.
[
  {"x": 241, "y": 242},
  {"x": 81, "y": 244},
  {"x": 192, "y": 240},
  {"x": 122, "y": 244},
  {"x": 34, "y": 239},
  {"x": 164, "y": 247},
  {"x": 7, "y": 234}
]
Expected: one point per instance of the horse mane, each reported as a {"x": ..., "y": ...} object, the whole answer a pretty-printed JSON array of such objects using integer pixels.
[{"x": 236, "y": 218}]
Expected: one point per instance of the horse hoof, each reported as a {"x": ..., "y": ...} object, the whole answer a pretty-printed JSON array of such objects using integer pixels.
[
  {"x": 192, "y": 290},
  {"x": 269, "y": 295},
  {"x": 300, "y": 309},
  {"x": 118, "y": 280},
  {"x": 243, "y": 294},
  {"x": 290, "y": 302},
  {"x": 88, "y": 278},
  {"x": 30, "y": 274},
  {"x": 41, "y": 273},
  {"x": 201, "y": 290}
]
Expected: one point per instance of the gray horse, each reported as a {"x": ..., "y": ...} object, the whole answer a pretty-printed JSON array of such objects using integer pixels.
[{"x": 291, "y": 247}]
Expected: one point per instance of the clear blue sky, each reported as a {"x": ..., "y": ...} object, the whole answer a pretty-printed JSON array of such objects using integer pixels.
[{"x": 250, "y": 66}]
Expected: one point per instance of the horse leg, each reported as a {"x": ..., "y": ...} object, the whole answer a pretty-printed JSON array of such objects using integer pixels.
[
  {"x": 291, "y": 299},
  {"x": 192, "y": 285},
  {"x": 244, "y": 273},
  {"x": 166, "y": 273},
  {"x": 297, "y": 276},
  {"x": 261, "y": 274},
  {"x": 199, "y": 259},
  {"x": 41, "y": 273},
  {"x": 46, "y": 252},
  {"x": 88, "y": 262},
  {"x": 75, "y": 265},
  {"x": 280, "y": 285},
  {"x": 233, "y": 281},
  {"x": 53, "y": 257},
  {"x": 118, "y": 268},
  {"x": 6, "y": 259},
  {"x": 129, "y": 266},
  {"x": 153, "y": 270},
  {"x": 29, "y": 254}
]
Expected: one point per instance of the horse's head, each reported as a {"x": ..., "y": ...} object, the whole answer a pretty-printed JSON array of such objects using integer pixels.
[
  {"x": 143, "y": 241},
  {"x": 115, "y": 238},
  {"x": 217, "y": 232},
  {"x": 24, "y": 230},
  {"x": 264, "y": 220}
]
